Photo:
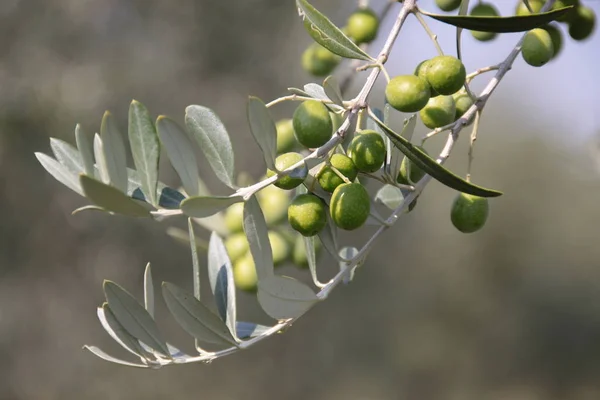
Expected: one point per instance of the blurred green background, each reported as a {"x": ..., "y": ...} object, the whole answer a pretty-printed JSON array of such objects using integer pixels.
[{"x": 511, "y": 312}]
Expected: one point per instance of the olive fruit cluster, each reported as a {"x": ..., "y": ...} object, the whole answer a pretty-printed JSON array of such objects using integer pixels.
[
  {"x": 362, "y": 27},
  {"x": 434, "y": 90}
]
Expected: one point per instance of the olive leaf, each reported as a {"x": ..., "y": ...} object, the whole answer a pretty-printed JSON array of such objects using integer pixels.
[
  {"x": 169, "y": 198},
  {"x": 246, "y": 330},
  {"x": 205, "y": 206},
  {"x": 263, "y": 130},
  {"x": 118, "y": 333},
  {"x": 145, "y": 148},
  {"x": 256, "y": 231},
  {"x": 212, "y": 137},
  {"x": 332, "y": 90},
  {"x": 114, "y": 154},
  {"x": 67, "y": 155},
  {"x": 282, "y": 297},
  {"x": 347, "y": 254},
  {"x": 84, "y": 145},
  {"x": 148, "y": 291},
  {"x": 520, "y": 23},
  {"x": 390, "y": 196},
  {"x": 60, "y": 172},
  {"x": 431, "y": 167},
  {"x": 111, "y": 198},
  {"x": 324, "y": 32}
]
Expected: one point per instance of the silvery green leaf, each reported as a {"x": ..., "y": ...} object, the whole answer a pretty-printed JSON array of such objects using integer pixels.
[
  {"x": 169, "y": 198},
  {"x": 201, "y": 206},
  {"x": 263, "y": 130},
  {"x": 246, "y": 330},
  {"x": 67, "y": 155},
  {"x": 332, "y": 90},
  {"x": 311, "y": 257},
  {"x": 282, "y": 297},
  {"x": 148, "y": 291},
  {"x": 134, "y": 318},
  {"x": 99, "y": 353},
  {"x": 298, "y": 92},
  {"x": 394, "y": 155},
  {"x": 316, "y": 91},
  {"x": 210, "y": 134},
  {"x": 114, "y": 152},
  {"x": 195, "y": 262},
  {"x": 118, "y": 333},
  {"x": 111, "y": 198},
  {"x": 86, "y": 150},
  {"x": 88, "y": 208},
  {"x": 145, "y": 149},
  {"x": 100, "y": 159},
  {"x": 328, "y": 237},
  {"x": 180, "y": 152},
  {"x": 324, "y": 32},
  {"x": 390, "y": 196},
  {"x": 220, "y": 275},
  {"x": 256, "y": 231},
  {"x": 60, "y": 172},
  {"x": 347, "y": 254},
  {"x": 195, "y": 318}
]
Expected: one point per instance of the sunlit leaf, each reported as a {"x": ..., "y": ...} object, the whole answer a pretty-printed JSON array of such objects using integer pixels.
[
  {"x": 118, "y": 333},
  {"x": 256, "y": 231},
  {"x": 246, "y": 330},
  {"x": 111, "y": 198},
  {"x": 114, "y": 152},
  {"x": 210, "y": 134},
  {"x": 60, "y": 172},
  {"x": 148, "y": 291},
  {"x": 145, "y": 149},
  {"x": 324, "y": 32},
  {"x": 101, "y": 354},
  {"x": 263, "y": 130},
  {"x": 100, "y": 159},
  {"x": 390, "y": 196},
  {"x": 332, "y": 90},
  {"x": 85, "y": 147},
  {"x": 346, "y": 254},
  {"x": 180, "y": 152},
  {"x": 201, "y": 206},
  {"x": 282, "y": 297},
  {"x": 68, "y": 156}
]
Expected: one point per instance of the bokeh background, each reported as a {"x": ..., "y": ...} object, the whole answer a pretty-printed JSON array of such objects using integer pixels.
[{"x": 511, "y": 312}]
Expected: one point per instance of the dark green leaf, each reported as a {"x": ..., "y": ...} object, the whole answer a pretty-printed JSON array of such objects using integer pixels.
[
  {"x": 431, "y": 167},
  {"x": 145, "y": 149},
  {"x": 111, "y": 198},
  {"x": 501, "y": 24},
  {"x": 324, "y": 32}
]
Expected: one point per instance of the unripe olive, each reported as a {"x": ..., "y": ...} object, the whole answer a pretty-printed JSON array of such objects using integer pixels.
[
  {"x": 362, "y": 25},
  {"x": 286, "y": 141},
  {"x": 448, "y": 5},
  {"x": 537, "y": 48},
  {"x": 329, "y": 180},
  {"x": 312, "y": 124},
  {"x": 484, "y": 10},
  {"x": 582, "y": 23},
  {"x": 446, "y": 74},
  {"x": 237, "y": 246},
  {"x": 407, "y": 93},
  {"x": 556, "y": 36},
  {"x": 367, "y": 151},
  {"x": 568, "y": 17},
  {"x": 463, "y": 102},
  {"x": 350, "y": 206},
  {"x": 307, "y": 214},
  {"x": 319, "y": 61},
  {"x": 274, "y": 203},
  {"x": 279, "y": 247},
  {"x": 469, "y": 212},
  {"x": 421, "y": 72},
  {"x": 244, "y": 273},
  {"x": 416, "y": 173},
  {"x": 234, "y": 217},
  {"x": 439, "y": 111},
  {"x": 536, "y": 6},
  {"x": 283, "y": 162}
]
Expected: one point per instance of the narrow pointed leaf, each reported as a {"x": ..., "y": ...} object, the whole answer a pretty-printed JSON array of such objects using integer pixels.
[
  {"x": 59, "y": 172},
  {"x": 202, "y": 206},
  {"x": 263, "y": 130},
  {"x": 148, "y": 291},
  {"x": 67, "y": 155},
  {"x": 316, "y": 91},
  {"x": 86, "y": 150},
  {"x": 212, "y": 137},
  {"x": 118, "y": 333},
  {"x": 431, "y": 167},
  {"x": 100, "y": 159},
  {"x": 169, "y": 198},
  {"x": 324, "y": 32},
  {"x": 145, "y": 149},
  {"x": 520, "y": 23},
  {"x": 220, "y": 275},
  {"x": 195, "y": 318},
  {"x": 106, "y": 357},
  {"x": 195, "y": 262},
  {"x": 311, "y": 257},
  {"x": 133, "y": 317},
  {"x": 111, "y": 198},
  {"x": 114, "y": 152},
  {"x": 246, "y": 330},
  {"x": 393, "y": 153},
  {"x": 180, "y": 152},
  {"x": 282, "y": 297},
  {"x": 332, "y": 90},
  {"x": 256, "y": 231}
]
